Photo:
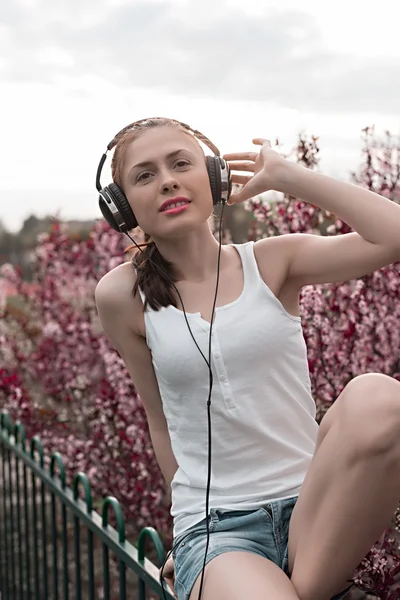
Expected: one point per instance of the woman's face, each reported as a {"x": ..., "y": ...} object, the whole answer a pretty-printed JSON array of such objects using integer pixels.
[{"x": 165, "y": 180}]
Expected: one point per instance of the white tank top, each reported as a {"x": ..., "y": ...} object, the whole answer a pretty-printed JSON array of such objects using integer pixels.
[{"x": 262, "y": 413}]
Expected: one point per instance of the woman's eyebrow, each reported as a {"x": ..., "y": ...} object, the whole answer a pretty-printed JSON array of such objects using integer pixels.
[{"x": 148, "y": 163}]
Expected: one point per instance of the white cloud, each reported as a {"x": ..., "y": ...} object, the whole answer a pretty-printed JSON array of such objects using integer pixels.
[{"x": 58, "y": 57}]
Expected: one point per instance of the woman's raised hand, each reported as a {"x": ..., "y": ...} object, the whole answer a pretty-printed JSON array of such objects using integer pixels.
[{"x": 267, "y": 169}]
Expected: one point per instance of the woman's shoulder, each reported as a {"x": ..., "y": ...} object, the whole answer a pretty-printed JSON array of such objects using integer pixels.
[
  {"x": 114, "y": 292},
  {"x": 272, "y": 256},
  {"x": 115, "y": 284}
]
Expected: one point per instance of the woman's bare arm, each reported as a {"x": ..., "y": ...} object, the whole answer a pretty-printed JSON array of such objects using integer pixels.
[{"x": 120, "y": 314}]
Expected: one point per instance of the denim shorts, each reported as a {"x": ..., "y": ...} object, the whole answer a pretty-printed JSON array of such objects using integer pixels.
[{"x": 264, "y": 531}]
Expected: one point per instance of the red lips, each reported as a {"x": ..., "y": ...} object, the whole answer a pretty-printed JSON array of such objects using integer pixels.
[{"x": 171, "y": 201}]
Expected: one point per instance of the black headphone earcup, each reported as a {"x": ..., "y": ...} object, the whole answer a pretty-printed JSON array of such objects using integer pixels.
[
  {"x": 114, "y": 193},
  {"x": 123, "y": 206},
  {"x": 214, "y": 174}
]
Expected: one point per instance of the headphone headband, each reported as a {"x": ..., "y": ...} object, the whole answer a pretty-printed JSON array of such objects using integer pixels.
[{"x": 197, "y": 134}]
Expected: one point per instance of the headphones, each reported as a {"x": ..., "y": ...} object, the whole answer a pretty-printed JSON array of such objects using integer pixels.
[{"x": 114, "y": 204}]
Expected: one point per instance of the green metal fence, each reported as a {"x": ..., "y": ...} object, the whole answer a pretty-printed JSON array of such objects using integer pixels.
[{"x": 54, "y": 545}]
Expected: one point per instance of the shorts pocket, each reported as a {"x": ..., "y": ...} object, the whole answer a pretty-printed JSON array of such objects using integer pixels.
[{"x": 266, "y": 512}]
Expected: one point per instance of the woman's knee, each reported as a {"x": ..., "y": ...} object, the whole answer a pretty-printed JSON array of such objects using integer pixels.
[{"x": 367, "y": 414}]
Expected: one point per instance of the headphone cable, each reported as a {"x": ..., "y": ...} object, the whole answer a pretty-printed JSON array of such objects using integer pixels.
[{"x": 211, "y": 380}]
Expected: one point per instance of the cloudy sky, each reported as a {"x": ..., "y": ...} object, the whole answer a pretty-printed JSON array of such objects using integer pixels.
[{"x": 74, "y": 72}]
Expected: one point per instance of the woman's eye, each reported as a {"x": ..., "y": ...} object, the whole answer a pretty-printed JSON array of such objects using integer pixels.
[
  {"x": 182, "y": 163},
  {"x": 143, "y": 176}
]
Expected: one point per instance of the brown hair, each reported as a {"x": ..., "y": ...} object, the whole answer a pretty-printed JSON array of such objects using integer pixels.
[{"x": 154, "y": 273}]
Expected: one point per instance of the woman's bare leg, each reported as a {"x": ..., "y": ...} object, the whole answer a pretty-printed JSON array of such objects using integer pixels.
[
  {"x": 351, "y": 490},
  {"x": 243, "y": 576}
]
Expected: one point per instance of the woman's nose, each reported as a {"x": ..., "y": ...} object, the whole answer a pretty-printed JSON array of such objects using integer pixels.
[{"x": 169, "y": 184}]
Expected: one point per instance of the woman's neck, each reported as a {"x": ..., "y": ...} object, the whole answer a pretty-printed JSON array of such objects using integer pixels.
[{"x": 194, "y": 257}]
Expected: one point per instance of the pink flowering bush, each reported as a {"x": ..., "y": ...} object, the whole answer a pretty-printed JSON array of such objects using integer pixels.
[
  {"x": 63, "y": 380},
  {"x": 61, "y": 377}
]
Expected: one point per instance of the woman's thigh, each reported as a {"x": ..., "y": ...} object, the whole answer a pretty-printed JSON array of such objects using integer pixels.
[{"x": 240, "y": 575}]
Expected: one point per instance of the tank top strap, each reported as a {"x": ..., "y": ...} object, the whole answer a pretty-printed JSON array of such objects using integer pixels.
[
  {"x": 142, "y": 296},
  {"x": 250, "y": 267}
]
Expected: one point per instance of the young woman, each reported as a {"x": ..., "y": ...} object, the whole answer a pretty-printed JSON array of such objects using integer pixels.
[{"x": 294, "y": 507}]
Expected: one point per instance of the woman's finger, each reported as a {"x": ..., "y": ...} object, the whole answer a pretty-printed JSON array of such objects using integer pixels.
[
  {"x": 262, "y": 142},
  {"x": 169, "y": 569},
  {"x": 241, "y": 156},
  {"x": 241, "y": 179},
  {"x": 254, "y": 186},
  {"x": 171, "y": 585},
  {"x": 241, "y": 165},
  {"x": 169, "y": 574}
]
